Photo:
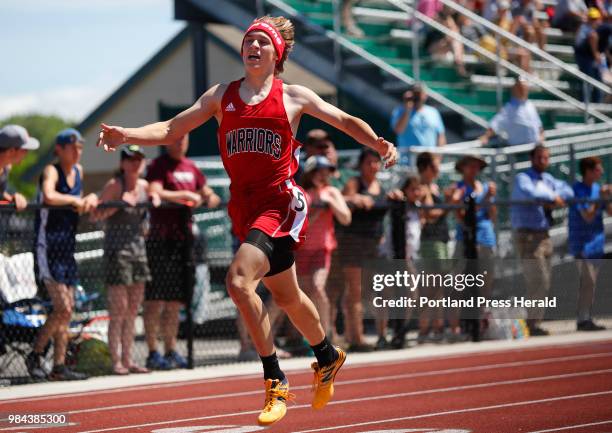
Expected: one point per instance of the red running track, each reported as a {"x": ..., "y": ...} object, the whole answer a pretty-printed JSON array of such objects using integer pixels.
[{"x": 563, "y": 388}]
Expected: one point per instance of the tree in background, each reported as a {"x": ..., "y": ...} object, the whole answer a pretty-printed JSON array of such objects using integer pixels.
[{"x": 45, "y": 128}]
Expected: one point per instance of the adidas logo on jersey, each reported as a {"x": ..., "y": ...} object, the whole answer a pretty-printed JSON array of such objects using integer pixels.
[{"x": 230, "y": 107}]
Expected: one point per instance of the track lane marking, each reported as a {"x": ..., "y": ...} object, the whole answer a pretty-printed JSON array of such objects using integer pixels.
[
  {"x": 472, "y": 409},
  {"x": 571, "y": 427}
]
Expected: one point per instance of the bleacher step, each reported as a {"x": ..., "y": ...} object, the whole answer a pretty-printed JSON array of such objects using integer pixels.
[{"x": 491, "y": 81}]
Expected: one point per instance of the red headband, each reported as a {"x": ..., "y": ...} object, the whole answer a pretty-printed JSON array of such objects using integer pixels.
[{"x": 270, "y": 30}]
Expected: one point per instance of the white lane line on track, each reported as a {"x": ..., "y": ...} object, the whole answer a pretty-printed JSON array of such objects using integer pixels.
[
  {"x": 452, "y": 412},
  {"x": 346, "y": 382},
  {"x": 571, "y": 427},
  {"x": 381, "y": 397}
]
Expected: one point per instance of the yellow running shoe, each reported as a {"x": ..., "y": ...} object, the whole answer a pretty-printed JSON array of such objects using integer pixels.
[
  {"x": 275, "y": 408},
  {"x": 323, "y": 384}
]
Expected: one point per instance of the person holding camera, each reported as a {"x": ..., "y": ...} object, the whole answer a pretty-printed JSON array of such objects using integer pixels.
[{"x": 416, "y": 123}]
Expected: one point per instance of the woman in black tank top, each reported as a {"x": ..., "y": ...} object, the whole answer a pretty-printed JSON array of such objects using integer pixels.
[{"x": 360, "y": 241}]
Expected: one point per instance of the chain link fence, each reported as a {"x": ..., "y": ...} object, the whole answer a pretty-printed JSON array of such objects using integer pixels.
[{"x": 209, "y": 332}]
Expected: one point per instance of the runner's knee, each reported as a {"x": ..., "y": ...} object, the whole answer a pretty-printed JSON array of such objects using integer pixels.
[{"x": 237, "y": 285}]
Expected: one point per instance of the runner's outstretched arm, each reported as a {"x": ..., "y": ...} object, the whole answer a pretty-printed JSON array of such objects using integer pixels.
[
  {"x": 166, "y": 132},
  {"x": 358, "y": 129}
]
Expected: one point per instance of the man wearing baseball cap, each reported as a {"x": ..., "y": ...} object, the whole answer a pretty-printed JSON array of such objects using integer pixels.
[{"x": 15, "y": 142}]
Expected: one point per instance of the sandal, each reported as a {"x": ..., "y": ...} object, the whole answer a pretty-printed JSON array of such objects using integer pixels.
[
  {"x": 138, "y": 370},
  {"x": 120, "y": 371}
]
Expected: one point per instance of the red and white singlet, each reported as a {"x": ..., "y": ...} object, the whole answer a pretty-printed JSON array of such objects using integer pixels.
[{"x": 260, "y": 156}]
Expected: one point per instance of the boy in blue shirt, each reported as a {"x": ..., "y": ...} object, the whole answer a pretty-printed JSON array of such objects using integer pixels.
[{"x": 587, "y": 236}]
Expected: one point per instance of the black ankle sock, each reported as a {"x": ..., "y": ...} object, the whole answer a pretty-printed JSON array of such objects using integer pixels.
[
  {"x": 325, "y": 352},
  {"x": 271, "y": 367}
]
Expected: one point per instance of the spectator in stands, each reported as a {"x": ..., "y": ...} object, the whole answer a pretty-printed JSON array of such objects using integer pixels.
[
  {"x": 602, "y": 5},
  {"x": 530, "y": 224},
  {"x": 348, "y": 21},
  {"x": 15, "y": 142},
  {"x": 470, "y": 29},
  {"x": 55, "y": 268},
  {"x": 589, "y": 58},
  {"x": 313, "y": 260},
  {"x": 470, "y": 167},
  {"x": 498, "y": 10},
  {"x": 125, "y": 255},
  {"x": 569, "y": 15},
  {"x": 434, "y": 244},
  {"x": 587, "y": 236},
  {"x": 407, "y": 221},
  {"x": 176, "y": 179},
  {"x": 499, "y": 13},
  {"x": 436, "y": 42},
  {"x": 360, "y": 240},
  {"x": 526, "y": 24},
  {"x": 604, "y": 32},
  {"x": 417, "y": 124},
  {"x": 518, "y": 120}
]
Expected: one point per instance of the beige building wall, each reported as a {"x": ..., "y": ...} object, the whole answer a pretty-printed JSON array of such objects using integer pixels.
[{"x": 170, "y": 82}]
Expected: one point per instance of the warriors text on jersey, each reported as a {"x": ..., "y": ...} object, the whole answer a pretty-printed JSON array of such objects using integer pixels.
[{"x": 260, "y": 155}]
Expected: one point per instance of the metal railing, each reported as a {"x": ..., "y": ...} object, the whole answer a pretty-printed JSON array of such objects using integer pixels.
[
  {"x": 494, "y": 57},
  {"x": 592, "y": 140}
]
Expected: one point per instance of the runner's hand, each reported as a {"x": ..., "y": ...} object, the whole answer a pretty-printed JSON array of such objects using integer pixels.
[
  {"x": 390, "y": 156},
  {"x": 111, "y": 137}
]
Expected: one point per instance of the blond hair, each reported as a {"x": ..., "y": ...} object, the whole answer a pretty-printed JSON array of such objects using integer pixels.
[{"x": 287, "y": 32}]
